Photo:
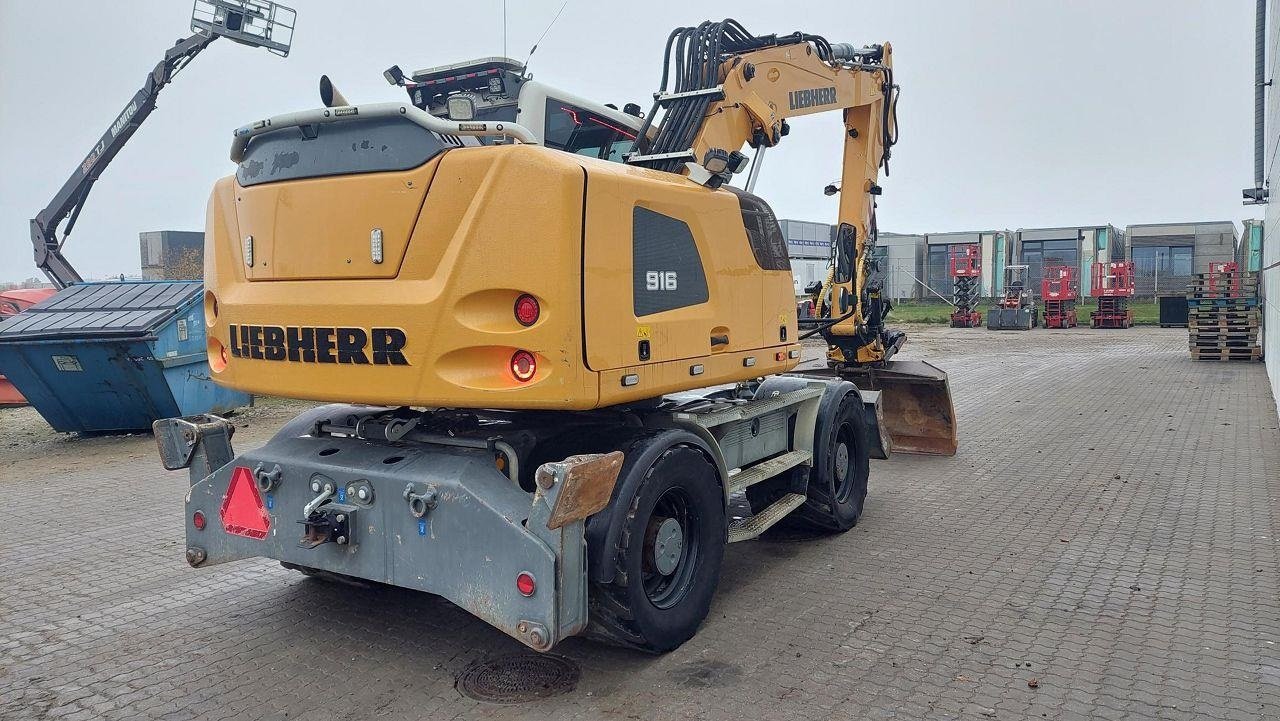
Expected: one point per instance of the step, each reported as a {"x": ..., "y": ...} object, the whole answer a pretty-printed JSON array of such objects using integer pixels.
[
  {"x": 749, "y": 528},
  {"x": 765, "y": 470}
]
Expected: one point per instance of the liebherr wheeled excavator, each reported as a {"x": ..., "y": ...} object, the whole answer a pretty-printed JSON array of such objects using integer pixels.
[{"x": 558, "y": 338}]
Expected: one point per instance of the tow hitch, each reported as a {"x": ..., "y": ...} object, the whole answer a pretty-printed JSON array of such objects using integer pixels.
[{"x": 328, "y": 524}]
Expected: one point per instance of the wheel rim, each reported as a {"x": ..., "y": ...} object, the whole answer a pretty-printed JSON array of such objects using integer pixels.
[
  {"x": 670, "y": 551},
  {"x": 842, "y": 472}
]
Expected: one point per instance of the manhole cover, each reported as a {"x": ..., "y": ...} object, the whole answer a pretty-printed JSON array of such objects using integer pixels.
[{"x": 516, "y": 679}]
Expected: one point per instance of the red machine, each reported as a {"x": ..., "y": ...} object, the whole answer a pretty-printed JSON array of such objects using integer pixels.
[
  {"x": 966, "y": 273},
  {"x": 1060, "y": 291},
  {"x": 1113, "y": 287},
  {"x": 13, "y": 302},
  {"x": 1223, "y": 278}
]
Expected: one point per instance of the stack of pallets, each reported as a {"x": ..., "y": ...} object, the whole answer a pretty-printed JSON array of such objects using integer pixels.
[{"x": 1223, "y": 316}]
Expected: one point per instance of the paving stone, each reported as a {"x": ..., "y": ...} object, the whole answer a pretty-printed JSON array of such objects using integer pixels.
[{"x": 1110, "y": 519}]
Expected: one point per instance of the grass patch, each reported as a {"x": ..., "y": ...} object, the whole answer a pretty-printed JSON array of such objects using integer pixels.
[{"x": 1145, "y": 312}]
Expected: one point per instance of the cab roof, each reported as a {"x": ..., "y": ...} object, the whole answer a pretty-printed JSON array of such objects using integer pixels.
[{"x": 469, "y": 68}]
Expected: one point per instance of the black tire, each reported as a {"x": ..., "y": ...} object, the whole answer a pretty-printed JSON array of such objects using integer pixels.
[
  {"x": 643, "y": 607},
  {"x": 837, "y": 488}
]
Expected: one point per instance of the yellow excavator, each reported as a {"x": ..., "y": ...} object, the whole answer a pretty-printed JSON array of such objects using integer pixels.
[{"x": 556, "y": 336}]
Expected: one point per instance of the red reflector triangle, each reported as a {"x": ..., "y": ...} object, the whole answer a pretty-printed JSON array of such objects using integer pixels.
[{"x": 243, "y": 513}]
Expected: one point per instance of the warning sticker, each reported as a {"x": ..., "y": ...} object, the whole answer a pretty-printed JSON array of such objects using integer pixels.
[{"x": 67, "y": 363}]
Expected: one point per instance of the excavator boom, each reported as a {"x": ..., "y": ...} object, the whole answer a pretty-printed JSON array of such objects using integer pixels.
[{"x": 741, "y": 93}]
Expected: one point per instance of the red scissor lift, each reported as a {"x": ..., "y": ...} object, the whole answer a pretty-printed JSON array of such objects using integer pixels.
[
  {"x": 966, "y": 273},
  {"x": 1060, "y": 291},
  {"x": 1113, "y": 287}
]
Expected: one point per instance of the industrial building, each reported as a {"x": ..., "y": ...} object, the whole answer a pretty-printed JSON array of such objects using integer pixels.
[
  {"x": 1166, "y": 255},
  {"x": 172, "y": 254},
  {"x": 997, "y": 252},
  {"x": 1267, "y": 145},
  {"x": 1080, "y": 246},
  {"x": 900, "y": 256},
  {"x": 808, "y": 247},
  {"x": 1249, "y": 249},
  {"x": 901, "y": 260}
]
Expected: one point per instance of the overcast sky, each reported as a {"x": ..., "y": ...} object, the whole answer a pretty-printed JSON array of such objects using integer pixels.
[{"x": 1013, "y": 114}]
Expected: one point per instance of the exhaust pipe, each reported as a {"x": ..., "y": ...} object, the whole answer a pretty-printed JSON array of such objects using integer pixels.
[{"x": 330, "y": 95}]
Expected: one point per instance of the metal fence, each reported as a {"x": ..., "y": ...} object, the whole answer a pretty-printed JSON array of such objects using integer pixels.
[{"x": 905, "y": 280}]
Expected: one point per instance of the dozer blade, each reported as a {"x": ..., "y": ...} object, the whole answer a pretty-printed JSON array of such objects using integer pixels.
[{"x": 916, "y": 401}]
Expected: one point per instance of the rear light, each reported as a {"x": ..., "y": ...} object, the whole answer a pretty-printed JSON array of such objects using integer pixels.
[
  {"x": 210, "y": 308},
  {"x": 523, "y": 365},
  {"x": 197, "y": 520},
  {"x": 243, "y": 513},
  {"x": 527, "y": 310},
  {"x": 525, "y": 584},
  {"x": 217, "y": 354}
]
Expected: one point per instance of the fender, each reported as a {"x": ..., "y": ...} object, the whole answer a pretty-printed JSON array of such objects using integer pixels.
[
  {"x": 604, "y": 528},
  {"x": 832, "y": 396}
]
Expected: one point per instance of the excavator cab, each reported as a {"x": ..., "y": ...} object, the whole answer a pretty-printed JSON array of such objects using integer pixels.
[{"x": 498, "y": 89}]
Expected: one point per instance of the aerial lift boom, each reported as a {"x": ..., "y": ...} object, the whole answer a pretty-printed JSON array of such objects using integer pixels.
[{"x": 249, "y": 22}]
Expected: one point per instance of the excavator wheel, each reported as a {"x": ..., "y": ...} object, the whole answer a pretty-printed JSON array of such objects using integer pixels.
[
  {"x": 668, "y": 556},
  {"x": 837, "y": 483}
]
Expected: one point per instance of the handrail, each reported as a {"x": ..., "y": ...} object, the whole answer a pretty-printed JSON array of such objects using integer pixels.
[{"x": 419, "y": 117}]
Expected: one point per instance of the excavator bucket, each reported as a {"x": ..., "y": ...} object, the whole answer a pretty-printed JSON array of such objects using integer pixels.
[{"x": 916, "y": 402}]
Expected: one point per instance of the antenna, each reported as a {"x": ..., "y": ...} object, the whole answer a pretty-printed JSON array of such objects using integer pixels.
[
  {"x": 504, "y": 28},
  {"x": 550, "y": 25}
]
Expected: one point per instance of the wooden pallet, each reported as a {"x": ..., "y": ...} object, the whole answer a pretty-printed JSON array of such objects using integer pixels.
[
  {"x": 1234, "y": 303},
  {"x": 1230, "y": 322},
  {"x": 1242, "y": 342},
  {"x": 1242, "y": 276},
  {"x": 1224, "y": 330},
  {"x": 1214, "y": 312},
  {"x": 1226, "y": 354},
  {"x": 1233, "y": 319},
  {"x": 1215, "y": 282},
  {"x": 1239, "y": 344}
]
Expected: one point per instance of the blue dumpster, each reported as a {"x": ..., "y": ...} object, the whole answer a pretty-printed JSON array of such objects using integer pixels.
[{"x": 111, "y": 357}]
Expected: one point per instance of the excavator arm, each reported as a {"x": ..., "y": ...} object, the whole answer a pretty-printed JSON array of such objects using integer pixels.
[{"x": 731, "y": 89}]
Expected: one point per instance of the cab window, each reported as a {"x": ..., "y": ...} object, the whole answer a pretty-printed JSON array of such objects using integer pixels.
[{"x": 580, "y": 131}]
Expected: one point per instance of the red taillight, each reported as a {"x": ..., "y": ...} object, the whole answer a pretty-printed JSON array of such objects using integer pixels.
[
  {"x": 525, "y": 584},
  {"x": 523, "y": 365},
  {"x": 243, "y": 513},
  {"x": 527, "y": 310},
  {"x": 197, "y": 520}
]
